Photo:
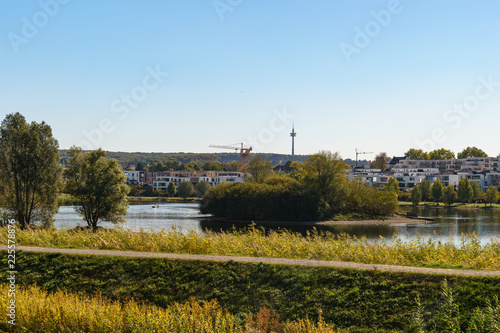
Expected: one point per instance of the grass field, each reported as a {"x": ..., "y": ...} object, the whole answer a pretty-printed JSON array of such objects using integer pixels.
[{"x": 358, "y": 300}]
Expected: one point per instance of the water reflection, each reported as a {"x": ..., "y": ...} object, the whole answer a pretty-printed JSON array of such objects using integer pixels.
[{"x": 450, "y": 223}]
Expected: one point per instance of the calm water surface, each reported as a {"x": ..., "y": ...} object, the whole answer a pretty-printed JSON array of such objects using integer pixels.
[{"x": 450, "y": 223}]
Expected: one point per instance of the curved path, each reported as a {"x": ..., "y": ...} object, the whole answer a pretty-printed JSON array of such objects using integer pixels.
[{"x": 303, "y": 262}]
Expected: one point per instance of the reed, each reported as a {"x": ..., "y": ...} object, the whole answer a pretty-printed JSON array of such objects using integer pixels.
[
  {"x": 41, "y": 311},
  {"x": 469, "y": 254}
]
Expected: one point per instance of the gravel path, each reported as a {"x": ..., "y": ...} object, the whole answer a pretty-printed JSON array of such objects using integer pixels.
[{"x": 304, "y": 262}]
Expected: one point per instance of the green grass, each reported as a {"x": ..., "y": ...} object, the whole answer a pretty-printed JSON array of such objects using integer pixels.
[
  {"x": 361, "y": 300},
  {"x": 424, "y": 252}
]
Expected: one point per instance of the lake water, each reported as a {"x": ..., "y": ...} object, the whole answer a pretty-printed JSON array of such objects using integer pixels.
[{"x": 450, "y": 223}]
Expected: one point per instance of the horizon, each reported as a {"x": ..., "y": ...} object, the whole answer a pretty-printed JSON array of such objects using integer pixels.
[{"x": 167, "y": 76}]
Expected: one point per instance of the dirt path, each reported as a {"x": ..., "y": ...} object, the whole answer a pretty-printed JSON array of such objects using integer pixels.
[{"x": 304, "y": 262}]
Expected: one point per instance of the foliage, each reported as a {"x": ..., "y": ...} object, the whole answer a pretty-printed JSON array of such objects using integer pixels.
[
  {"x": 202, "y": 187},
  {"x": 437, "y": 190},
  {"x": 392, "y": 185},
  {"x": 477, "y": 193},
  {"x": 30, "y": 175},
  {"x": 441, "y": 154},
  {"x": 361, "y": 300},
  {"x": 425, "y": 189},
  {"x": 171, "y": 189},
  {"x": 42, "y": 311},
  {"x": 417, "y": 154},
  {"x": 492, "y": 195},
  {"x": 449, "y": 195},
  {"x": 278, "y": 244},
  {"x": 381, "y": 161},
  {"x": 232, "y": 166},
  {"x": 321, "y": 192},
  {"x": 471, "y": 152},
  {"x": 185, "y": 189},
  {"x": 447, "y": 317},
  {"x": 465, "y": 191},
  {"x": 99, "y": 184},
  {"x": 416, "y": 195},
  {"x": 259, "y": 169},
  {"x": 211, "y": 166}
]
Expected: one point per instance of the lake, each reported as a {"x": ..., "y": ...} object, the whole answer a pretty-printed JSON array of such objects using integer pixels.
[{"x": 450, "y": 223}]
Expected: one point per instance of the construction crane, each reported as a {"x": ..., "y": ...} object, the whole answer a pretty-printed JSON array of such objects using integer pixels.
[
  {"x": 243, "y": 153},
  {"x": 360, "y": 153}
]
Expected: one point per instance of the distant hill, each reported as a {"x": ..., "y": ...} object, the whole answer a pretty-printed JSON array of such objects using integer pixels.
[{"x": 200, "y": 158}]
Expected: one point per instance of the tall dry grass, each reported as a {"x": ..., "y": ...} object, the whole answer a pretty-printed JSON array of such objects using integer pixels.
[
  {"x": 278, "y": 244},
  {"x": 39, "y": 311}
]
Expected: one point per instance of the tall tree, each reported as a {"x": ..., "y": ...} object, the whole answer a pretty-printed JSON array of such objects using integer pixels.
[
  {"x": 171, "y": 189},
  {"x": 185, "y": 189},
  {"x": 471, "y": 152},
  {"x": 437, "y": 190},
  {"x": 425, "y": 189},
  {"x": 449, "y": 195},
  {"x": 441, "y": 154},
  {"x": 417, "y": 154},
  {"x": 381, "y": 161},
  {"x": 465, "y": 191},
  {"x": 392, "y": 185},
  {"x": 232, "y": 166},
  {"x": 492, "y": 195},
  {"x": 99, "y": 184},
  {"x": 477, "y": 192},
  {"x": 140, "y": 167},
  {"x": 416, "y": 195},
  {"x": 30, "y": 175},
  {"x": 202, "y": 187},
  {"x": 259, "y": 168}
]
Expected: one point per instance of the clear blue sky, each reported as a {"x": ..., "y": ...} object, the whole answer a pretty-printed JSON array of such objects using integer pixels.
[{"x": 373, "y": 75}]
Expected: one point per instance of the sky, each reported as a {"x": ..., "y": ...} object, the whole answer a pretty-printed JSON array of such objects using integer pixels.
[{"x": 179, "y": 76}]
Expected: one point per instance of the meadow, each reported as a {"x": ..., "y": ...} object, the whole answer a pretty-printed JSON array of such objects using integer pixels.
[
  {"x": 41, "y": 311},
  {"x": 421, "y": 252}
]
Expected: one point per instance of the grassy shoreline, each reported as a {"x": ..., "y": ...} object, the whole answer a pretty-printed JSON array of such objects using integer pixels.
[
  {"x": 421, "y": 252},
  {"x": 358, "y": 300},
  {"x": 453, "y": 206}
]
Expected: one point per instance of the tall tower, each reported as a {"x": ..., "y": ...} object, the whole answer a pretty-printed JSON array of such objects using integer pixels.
[{"x": 293, "y": 134}]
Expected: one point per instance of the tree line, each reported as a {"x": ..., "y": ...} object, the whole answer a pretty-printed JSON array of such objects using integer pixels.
[
  {"x": 467, "y": 191},
  {"x": 444, "y": 154},
  {"x": 317, "y": 190}
]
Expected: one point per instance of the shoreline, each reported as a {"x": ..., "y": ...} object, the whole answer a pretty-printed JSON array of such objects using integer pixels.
[{"x": 396, "y": 219}]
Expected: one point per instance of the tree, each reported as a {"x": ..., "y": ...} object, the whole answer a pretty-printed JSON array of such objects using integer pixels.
[
  {"x": 171, "y": 189},
  {"x": 140, "y": 167},
  {"x": 472, "y": 152},
  {"x": 449, "y": 195},
  {"x": 202, "y": 187},
  {"x": 465, "y": 191},
  {"x": 30, "y": 175},
  {"x": 392, "y": 185},
  {"x": 99, "y": 184},
  {"x": 185, "y": 189},
  {"x": 381, "y": 161},
  {"x": 477, "y": 192},
  {"x": 417, "y": 154},
  {"x": 437, "y": 190},
  {"x": 416, "y": 195},
  {"x": 232, "y": 166},
  {"x": 259, "y": 169},
  {"x": 425, "y": 189},
  {"x": 441, "y": 154},
  {"x": 492, "y": 195},
  {"x": 210, "y": 166}
]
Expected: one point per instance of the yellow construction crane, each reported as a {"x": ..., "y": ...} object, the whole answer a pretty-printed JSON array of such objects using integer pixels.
[{"x": 243, "y": 153}]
